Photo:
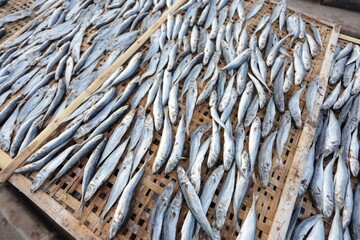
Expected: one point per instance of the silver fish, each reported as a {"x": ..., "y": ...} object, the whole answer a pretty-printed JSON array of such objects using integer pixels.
[
  {"x": 348, "y": 74},
  {"x": 355, "y": 218},
  {"x": 245, "y": 101},
  {"x": 260, "y": 90},
  {"x": 308, "y": 171},
  {"x": 341, "y": 180},
  {"x": 158, "y": 110},
  {"x": 241, "y": 78},
  {"x": 328, "y": 189},
  {"x": 242, "y": 184},
  {"x": 195, "y": 170},
  {"x": 304, "y": 226},
  {"x": 268, "y": 118},
  {"x": 254, "y": 141},
  {"x": 265, "y": 159},
  {"x": 240, "y": 59},
  {"x": 337, "y": 71},
  {"x": 49, "y": 168},
  {"x": 208, "y": 191},
  {"x": 251, "y": 111},
  {"x": 294, "y": 108},
  {"x": 248, "y": 228},
  {"x": 117, "y": 135},
  {"x": 165, "y": 145},
  {"x": 158, "y": 211},
  {"x": 190, "y": 104},
  {"x": 336, "y": 230},
  {"x": 123, "y": 206},
  {"x": 214, "y": 146},
  {"x": 283, "y": 134},
  {"x": 274, "y": 51},
  {"x": 331, "y": 99},
  {"x": 333, "y": 135},
  {"x": 173, "y": 103},
  {"x": 178, "y": 149},
  {"x": 316, "y": 185},
  {"x": 356, "y": 87},
  {"x": 223, "y": 201},
  {"x": 193, "y": 201},
  {"x": 171, "y": 217},
  {"x": 255, "y": 9},
  {"x": 354, "y": 154}
]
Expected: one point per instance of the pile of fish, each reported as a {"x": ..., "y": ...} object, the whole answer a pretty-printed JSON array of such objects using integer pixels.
[
  {"x": 208, "y": 57},
  {"x": 45, "y": 68},
  {"x": 336, "y": 146}
]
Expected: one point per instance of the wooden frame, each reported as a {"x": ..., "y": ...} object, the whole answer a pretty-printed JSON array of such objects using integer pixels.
[
  {"x": 289, "y": 194},
  {"x": 42, "y": 137}
]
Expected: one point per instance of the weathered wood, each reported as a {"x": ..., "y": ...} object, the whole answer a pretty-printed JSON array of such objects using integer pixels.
[
  {"x": 52, "y": 208},
  {"x": 289, "y": 194},
  {"x": 5, "y": 159},
  {"x": 41, "y": 138}
]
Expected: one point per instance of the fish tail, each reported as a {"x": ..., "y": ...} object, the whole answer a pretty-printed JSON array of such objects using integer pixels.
[
  {"x": 100, "y": 222},
  {"x": 278, "y": 164},
  {"x": 78, "y": 212}
]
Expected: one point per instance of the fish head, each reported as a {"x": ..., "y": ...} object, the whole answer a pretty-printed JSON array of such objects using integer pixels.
[
  {"x": 114, "y": 228},
  {"x": 36, "y": 183}
]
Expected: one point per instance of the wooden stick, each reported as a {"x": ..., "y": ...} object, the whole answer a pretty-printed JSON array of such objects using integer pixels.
[
  {"x": 288, "y": 198},
  {"x": 5, "y": 159},
  {"x": 54, "y": 209},
  {"x": 350, "y": 39},
  {"x": 43, "y": 136}
]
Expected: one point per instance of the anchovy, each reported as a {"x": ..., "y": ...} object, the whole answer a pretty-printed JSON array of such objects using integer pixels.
[
  {"x": 190, "y": 104},
  {"x": 316, "y": 185},
  {"x": 172, "y": 216},
  {"x": 90, "y": 169},
  {"x": 123, "y": 206},
  {"x": 331, "y": 99},
  {"x": 151, "y": 69},
  {"x": 294, "y": 108},
  {"x": 178, "y": 149},
  {"x": 274, "y": 51},
  {"x": 50, "y": 167},
  {"x": 255, "y": 9},
  {"x": 254, "y": 141},
  {"x": 333, "y": 135},
  {"x": 318, "y": 231},
  {"x": 158, "y": 211},
  {"x": 328, "y": 189},
  {"x": 283, "y": 134},
  {"x": 356, "y": 87},
  {"x": 248, "y": 228},
  {"x": 240, "y": 59},
  {"x": 251, "y": 111},
  {"x": 158, "y": 110},
  {"x": 193, "y": 202},
  {"x": 214, "y": 145},
  {"x": 303, "y": 228},
  {"x": 195, "y": 169},
  {"x": 54, "y": 143},
  {"x": 308, "y": 171},
  {"x": 129, "y": 70},
  {"x": 245, "y": 101},
  {"x": 144, "y": 142},
  {"x": 260, "y": 90},
  {"x": 306, "y": 56},
  {"x": 117, "y": 135},
  {"x": 355, "y": 218},
  {"x": 165, "y": 146},
  {"x": 208, "y": 191},
  {"x": 337, "y": 70},
  {"x": 354, "y": 154},
  {"x": 241, "y": 78},
  {"x": 265, "y": 159},
  {"x": 336, "y": 230},
  {"x": 223, "y": 201},
  {"x": 7, "y": 130}
]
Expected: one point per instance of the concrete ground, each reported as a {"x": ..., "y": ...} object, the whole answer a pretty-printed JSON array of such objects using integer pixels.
[
  {"x": 22, "y": 220},
  {"x": 350, "y": 20}
]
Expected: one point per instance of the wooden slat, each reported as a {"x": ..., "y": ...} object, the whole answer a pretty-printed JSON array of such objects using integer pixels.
[
  {"x": 289, "y": 194},
  {"x": 52, "y": 208},
  {"x": 41, "y": 138},
  {"x": 5, "y": 159},
  {"x": 350, "y": 39}
]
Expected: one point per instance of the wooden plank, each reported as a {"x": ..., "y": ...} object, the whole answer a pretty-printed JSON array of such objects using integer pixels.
[
  {"x": 22, "y": 30},
  {"x": 41, "y": 138},
  {"x": 289, "y": 194},
  {"x": 52, "y": 208},
  {"x": 350, "y": 39},
  {"x": 5, "y": 159}
]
